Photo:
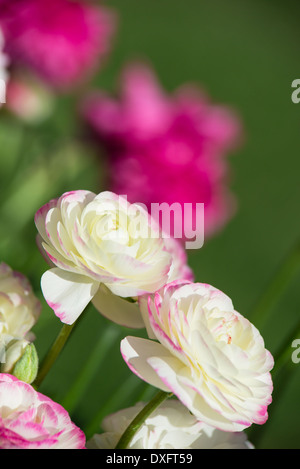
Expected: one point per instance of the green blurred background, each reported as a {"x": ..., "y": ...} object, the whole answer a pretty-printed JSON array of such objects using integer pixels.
[{"x": 245, "y": 54}]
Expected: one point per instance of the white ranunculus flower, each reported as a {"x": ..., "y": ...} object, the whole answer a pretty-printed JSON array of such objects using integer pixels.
[
  {"x": 171, "y": 426},
  {"x": 104, "y": 249},
  {"x": 19, "y": 311},
  {"x": 211, "y": 357}
]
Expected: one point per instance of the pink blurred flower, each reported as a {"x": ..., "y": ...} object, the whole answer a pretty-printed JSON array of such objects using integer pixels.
[
  {"x": 166, "y": 149},
  {"x": 30, "y": 420},
  {"x": 60, "y": 41}
]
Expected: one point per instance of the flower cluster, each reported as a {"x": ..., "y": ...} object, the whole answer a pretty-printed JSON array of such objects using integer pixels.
[
  {"x": 207, "y": 360},
  {"x": 103, "y": 249},
  {"x": 28, "y": 419}
]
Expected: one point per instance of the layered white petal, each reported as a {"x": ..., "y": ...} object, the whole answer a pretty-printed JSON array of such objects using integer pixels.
[
  {"x": 119, "y": 310},
  {"x": 136, "y": 352},
  {"x": 67, "y": 293}
]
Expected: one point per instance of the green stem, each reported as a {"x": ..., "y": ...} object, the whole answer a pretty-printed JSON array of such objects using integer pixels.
[
  {"x": 99, "y": 354},
  {"x": 140, "y": 419},
  {"x": 278, "y": 284},
  {"x": 53, "y": 354}
]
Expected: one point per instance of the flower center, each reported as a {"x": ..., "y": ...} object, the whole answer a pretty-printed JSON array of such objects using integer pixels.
[{"x": 222, "y": 326}]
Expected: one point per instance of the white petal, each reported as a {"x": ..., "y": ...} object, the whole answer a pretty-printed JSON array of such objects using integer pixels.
[
  {"x": 136, "y": 353},
  {"x": 67, "y": 293},
  {"x": 144, "y": 304},
  {"x": 118, "y": 309},
  {"x": 40, "y": 217}
]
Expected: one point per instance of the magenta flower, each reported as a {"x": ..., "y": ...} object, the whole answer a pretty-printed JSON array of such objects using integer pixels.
[
  {"x": 30, "y": 420},
  {"x": 60, "y": 41},
  {"x": 166, "y": 149}
]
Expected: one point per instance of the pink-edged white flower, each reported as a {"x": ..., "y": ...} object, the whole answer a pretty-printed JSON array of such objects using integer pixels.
[
  {"x": 210, "y": 356},
  {"x": 19, "y": 311},
  {"x": 171, "y": 426},
  {"x": 30, "y": 420},
  {"x": 104, "y": 249}
]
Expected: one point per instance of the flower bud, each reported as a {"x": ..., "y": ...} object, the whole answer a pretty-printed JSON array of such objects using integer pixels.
[
  {"x": 26, "y": 367},
  {"x": 11, "y": 351}
]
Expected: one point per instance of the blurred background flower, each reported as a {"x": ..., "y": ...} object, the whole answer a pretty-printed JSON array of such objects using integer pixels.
[
  {"x": 60, "y": 41},
  {"x": 52, "y": 47},
  {"x": 164, "y": 148}
]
